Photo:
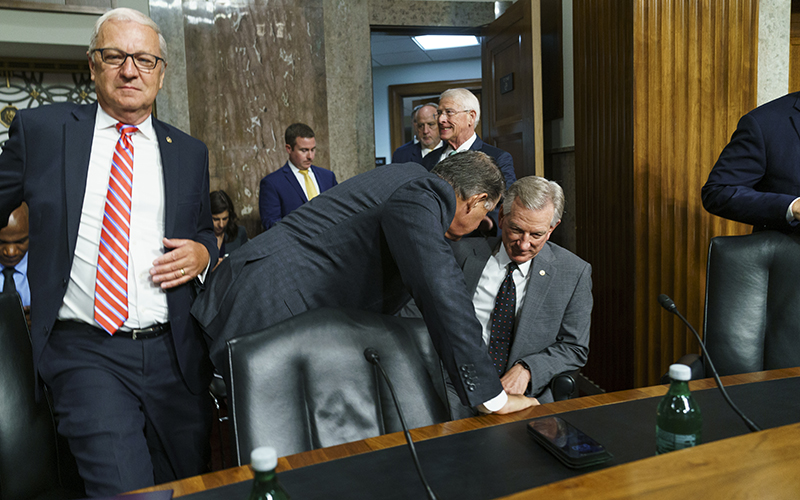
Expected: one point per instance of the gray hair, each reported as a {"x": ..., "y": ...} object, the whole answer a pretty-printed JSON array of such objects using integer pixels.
[
  {"x": 465, "y": 99},
  {"x": 536, "y": 193},
  {"x": 125, "y": 14},
  {"x": 420, "y": 106},
  {"x": 471, "y": 173}
]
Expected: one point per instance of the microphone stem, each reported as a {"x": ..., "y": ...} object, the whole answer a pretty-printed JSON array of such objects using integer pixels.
[
  {"x": 749, "y": 423},
  {"x": 429, "y": 491}
]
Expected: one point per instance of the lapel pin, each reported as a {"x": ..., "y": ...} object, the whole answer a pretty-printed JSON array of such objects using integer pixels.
[
  {"x": 169, "y": 139},
  {"x": 541, "y": 272}
]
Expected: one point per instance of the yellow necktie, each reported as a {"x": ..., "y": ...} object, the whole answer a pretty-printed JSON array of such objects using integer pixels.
[{"x": 310, "y": 189}]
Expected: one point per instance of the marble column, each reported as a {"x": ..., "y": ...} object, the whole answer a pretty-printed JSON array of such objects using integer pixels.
[{"x": 253, "y": 68}]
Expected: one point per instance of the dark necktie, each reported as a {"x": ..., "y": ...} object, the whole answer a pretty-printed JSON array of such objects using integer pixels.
[
  {"x": 9, "y": 286},
  {"x": 505, "y": 306}
]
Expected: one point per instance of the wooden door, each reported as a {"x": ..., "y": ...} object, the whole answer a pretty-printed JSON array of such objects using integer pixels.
[{"x": 512, "y": 86}]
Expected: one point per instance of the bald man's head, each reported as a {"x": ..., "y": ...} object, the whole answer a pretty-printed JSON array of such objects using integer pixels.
[{"x": 14, "y": 237}]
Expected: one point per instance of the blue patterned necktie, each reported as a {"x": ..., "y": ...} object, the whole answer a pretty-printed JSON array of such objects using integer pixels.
[{"x": 505, "y": 308}]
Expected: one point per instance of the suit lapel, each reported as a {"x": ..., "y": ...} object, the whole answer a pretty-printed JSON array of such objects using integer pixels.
[
  {"x": 477, "y": 145},
  {"x": 77, "y": 135},
  {"x": 476, "y": 261},
  {"x": 542, "y": 272},
  {"x": 292, "y": 180},
  {"x": 796, "y": 117},
  {"x": 170, "y": 165}
]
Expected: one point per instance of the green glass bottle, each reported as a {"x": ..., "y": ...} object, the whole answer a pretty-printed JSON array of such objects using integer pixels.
[
  {"x": 679, "y": 423},
  {"x": 263, "y": 460}
]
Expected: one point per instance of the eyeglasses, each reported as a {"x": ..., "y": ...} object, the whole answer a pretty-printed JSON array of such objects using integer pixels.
[
  {"x": 142, "y": 60},
  {"x": 451, "y": 112}
]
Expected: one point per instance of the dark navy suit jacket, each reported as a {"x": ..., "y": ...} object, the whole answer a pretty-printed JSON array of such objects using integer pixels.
[
  {"x": 365, "y": 244},
  {"x": 502, "y": 158},
  {"x": 757, "y": 175},
  {"x": 280, "y": 193},
  {"x": 45, "y": 162},
  {"x": 410, "y": 151}
]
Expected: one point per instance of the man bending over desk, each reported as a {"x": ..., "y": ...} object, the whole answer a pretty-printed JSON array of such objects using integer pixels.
[{"x": 368, "y": 244}]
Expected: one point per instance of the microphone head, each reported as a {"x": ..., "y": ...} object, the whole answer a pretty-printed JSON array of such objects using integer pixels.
[
  {"x": 371, "y": 355},
  {"x": 667, "y": 303}
]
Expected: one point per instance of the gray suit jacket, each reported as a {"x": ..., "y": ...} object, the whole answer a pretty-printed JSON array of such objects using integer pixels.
[
  {"x": 365, "y": 244},
  {"x": 552, "y": 332}
]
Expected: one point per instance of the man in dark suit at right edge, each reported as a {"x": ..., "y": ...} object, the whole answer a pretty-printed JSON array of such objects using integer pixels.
[
  {"x": 459, "y": 112},
  {"x": 370, "y": 243},
  {"x": 756, "y": 179}
]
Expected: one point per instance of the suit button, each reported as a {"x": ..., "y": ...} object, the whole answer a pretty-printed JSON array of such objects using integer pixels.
[
  {"x": 64, "y": 282},
  {"x": 464, "y": 368}
]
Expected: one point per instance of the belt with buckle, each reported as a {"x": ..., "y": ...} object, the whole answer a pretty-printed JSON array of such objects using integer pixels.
[{"x": 144, "y": 333}]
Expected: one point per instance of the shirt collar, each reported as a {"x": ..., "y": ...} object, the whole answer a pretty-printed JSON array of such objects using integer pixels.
[
  {"x": 503, "y": 259},
  {"x": 104, "y": 121},
  {"x": 295, "y": 169},
  {"x": 464, "y": 146},
  {"x": 22, "y": 265}
]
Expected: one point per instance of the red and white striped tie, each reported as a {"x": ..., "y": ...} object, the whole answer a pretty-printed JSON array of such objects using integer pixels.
[{"x": 111, "y": 288}]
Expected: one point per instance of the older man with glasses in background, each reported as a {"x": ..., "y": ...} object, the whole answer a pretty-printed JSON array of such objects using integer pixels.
[
  {"x": 120, "y": 226},
  {"x": 459, "y": 112}
]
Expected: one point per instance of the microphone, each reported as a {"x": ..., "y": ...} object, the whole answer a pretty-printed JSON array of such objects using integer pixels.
[
  {"x": 668, "y": 304},
  {"x": 371, "y": 354}
]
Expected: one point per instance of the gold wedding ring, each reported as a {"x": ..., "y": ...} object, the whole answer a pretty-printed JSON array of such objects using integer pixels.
[{"x": 183, "y": 273}]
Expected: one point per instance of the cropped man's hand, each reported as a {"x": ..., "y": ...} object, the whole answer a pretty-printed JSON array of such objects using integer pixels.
[
  {"x": 187, "y": 259},
  {"x": 517, "y": 402}
]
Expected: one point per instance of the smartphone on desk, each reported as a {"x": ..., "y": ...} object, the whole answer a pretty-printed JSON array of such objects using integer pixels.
[{"x": 568, "y": 443}]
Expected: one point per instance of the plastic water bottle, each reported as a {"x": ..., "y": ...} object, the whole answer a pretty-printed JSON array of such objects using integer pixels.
[
  {"x": 679, "y": 423},
  {"x": 263, "y": 460}
]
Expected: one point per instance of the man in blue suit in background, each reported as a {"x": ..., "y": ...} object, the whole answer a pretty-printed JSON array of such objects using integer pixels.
[
  {"x": 426, "y": 131},
  {"x": 756, "y": 179},
  {"x": 297, "y": 181}
]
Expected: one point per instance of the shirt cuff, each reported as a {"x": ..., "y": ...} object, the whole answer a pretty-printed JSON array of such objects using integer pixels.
[
  {"x": 789, "y": 214},
  {"x": 494, "y": 404},
  {"x": 202, "y": 276}
]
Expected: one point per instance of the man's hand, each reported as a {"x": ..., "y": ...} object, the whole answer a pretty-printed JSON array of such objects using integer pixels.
[
  {"x": 517, "y": 402},
  {"x": 516, "y": 379},
  {"x": 187, "y": 259},
  {"x": 796, "y": 209}
]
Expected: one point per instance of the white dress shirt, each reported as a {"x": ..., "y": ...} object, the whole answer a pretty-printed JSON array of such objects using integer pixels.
[
  {"x": 425, "y": 151},
  {"x": 494, "y": 273},
  {"x": 464, "y": 147},
  {"x": 302, "y": 179},
  {"x": 147, "y": 302}
]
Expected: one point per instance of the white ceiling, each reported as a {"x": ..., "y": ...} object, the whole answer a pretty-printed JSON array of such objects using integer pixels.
[{"x": 393, "y": 50}]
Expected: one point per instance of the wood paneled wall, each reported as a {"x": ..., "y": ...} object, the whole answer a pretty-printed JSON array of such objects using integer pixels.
[{"x": 660, "y": 86}]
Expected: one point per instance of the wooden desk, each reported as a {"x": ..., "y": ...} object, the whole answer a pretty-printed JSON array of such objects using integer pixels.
[{"x": 765, "y": 452}]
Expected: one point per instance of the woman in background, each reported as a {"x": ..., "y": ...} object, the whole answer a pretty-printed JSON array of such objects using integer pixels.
[{"x": 230, "y": 236}]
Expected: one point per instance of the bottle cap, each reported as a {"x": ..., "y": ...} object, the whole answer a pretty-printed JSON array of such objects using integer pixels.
[
  {"x": 264, "y": 458},
  {"x": 680, "y": 372}
]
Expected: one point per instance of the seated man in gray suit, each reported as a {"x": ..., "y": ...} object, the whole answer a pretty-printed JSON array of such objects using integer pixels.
[
  {"x": 368, "y": 244},
  {"x": 543, "y": 290}
]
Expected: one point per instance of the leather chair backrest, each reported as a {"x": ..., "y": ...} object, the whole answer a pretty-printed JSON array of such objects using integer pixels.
[
  {"x": 28, "y": 451},
  {"x": 305, "y": 384},
  {"x": 752, "y": 316}
]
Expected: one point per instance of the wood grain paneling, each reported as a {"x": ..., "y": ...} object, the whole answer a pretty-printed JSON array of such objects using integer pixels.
[{"x": 662, "y": 85}]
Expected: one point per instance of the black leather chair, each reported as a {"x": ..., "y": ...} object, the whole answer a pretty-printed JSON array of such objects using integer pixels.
[
  {"x": 30, "y": 463},
  {"x": 752, "y": 314},
  {"x": 305, "y": 384}
]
